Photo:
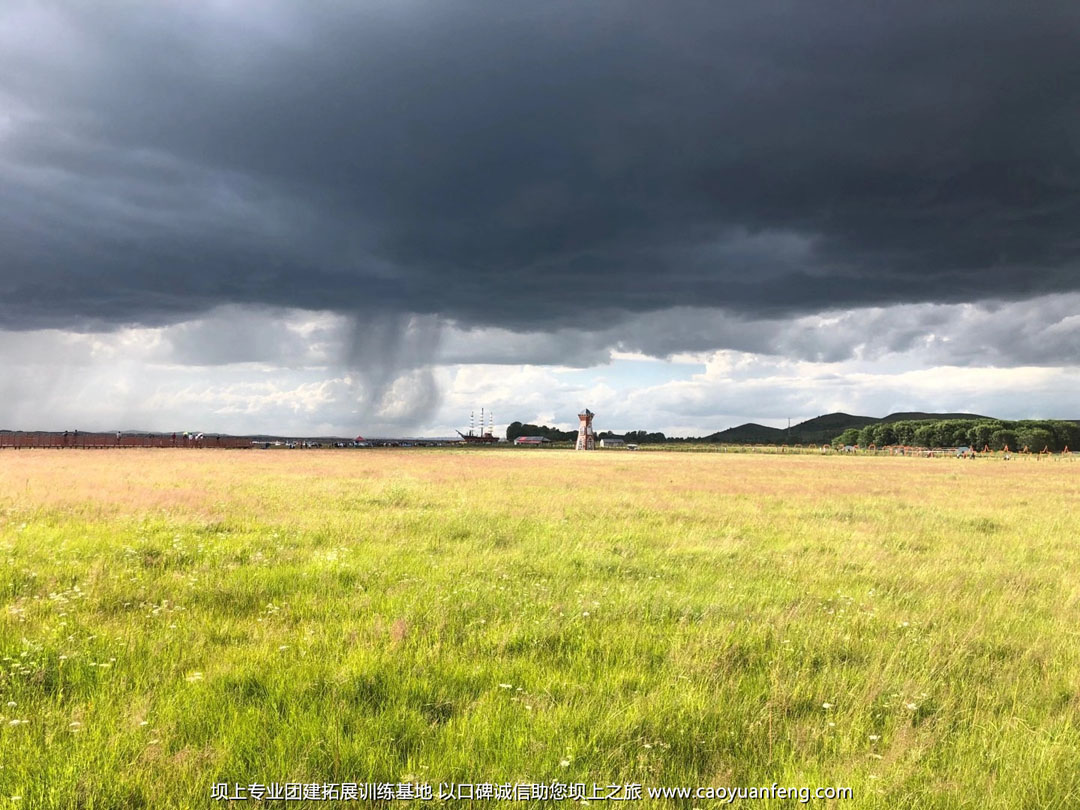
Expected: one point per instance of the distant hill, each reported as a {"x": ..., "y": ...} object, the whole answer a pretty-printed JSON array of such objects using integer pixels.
[
  {"x": 820, "y": 429},
  {"x": 749, "y": 433},
  {"x": 832, "y": 420}
]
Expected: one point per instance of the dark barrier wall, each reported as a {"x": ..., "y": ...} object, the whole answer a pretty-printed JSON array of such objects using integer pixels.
[{"x": 78, "y": 439}]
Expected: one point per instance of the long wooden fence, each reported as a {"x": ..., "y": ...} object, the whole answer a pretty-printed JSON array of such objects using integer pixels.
[{"x": 100, "y": 441}]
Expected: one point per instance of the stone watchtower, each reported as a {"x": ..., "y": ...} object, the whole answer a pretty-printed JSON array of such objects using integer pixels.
[{"x": 586, "y": 439}]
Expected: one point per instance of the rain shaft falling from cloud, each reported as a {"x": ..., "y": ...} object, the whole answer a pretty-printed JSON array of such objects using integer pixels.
[{"x": 389, "y": 356}]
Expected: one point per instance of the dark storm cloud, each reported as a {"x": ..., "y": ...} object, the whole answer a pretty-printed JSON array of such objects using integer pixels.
[{"x": 533, "y": 166}]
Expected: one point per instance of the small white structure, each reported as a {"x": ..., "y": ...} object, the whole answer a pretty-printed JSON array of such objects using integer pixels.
[{"x": 612, "y": 443}]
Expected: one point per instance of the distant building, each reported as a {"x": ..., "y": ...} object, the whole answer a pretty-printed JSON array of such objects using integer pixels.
[
  {"x": 612, "y": 443},
  {"x": 531, "y": 440}
]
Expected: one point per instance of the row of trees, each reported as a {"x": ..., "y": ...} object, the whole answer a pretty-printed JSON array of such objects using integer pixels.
[
  {"x": 515, "y": 429},
  {"x": 996, "y": 434},
  {"x": 635, "y": 437}
]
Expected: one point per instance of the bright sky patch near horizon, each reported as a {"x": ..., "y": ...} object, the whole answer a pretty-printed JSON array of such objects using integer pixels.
[{"x": 375, "y": 217}]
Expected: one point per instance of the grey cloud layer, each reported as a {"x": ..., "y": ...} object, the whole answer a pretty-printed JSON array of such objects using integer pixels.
[
  {"x": 533, "y": 166},
  {"x": 1038, "y": 332}
]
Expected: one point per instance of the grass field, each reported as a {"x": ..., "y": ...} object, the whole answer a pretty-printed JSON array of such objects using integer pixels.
[{"x": 909, "y": 628}]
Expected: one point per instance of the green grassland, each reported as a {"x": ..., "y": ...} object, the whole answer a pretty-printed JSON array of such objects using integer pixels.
[{"x": 909, "y": 628}]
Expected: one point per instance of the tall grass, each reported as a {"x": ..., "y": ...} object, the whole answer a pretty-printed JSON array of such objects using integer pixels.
[{"x": 173, "y": 619}]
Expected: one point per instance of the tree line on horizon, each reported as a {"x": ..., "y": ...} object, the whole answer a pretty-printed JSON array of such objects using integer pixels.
[
  {"x": 997, "y": 434},
  {"x": 516, "y": 429}
]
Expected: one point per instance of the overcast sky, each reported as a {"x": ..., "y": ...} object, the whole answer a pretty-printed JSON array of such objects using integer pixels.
[{"x": 374, "y": 217}]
